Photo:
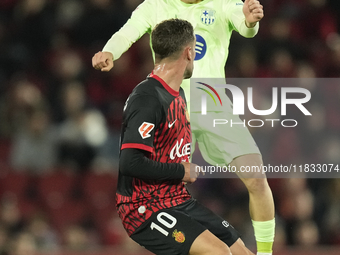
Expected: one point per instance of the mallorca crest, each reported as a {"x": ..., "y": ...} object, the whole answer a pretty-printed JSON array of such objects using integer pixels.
[
  {"x": 179, "y": 236},
  {"x": 208, "y": 17}
]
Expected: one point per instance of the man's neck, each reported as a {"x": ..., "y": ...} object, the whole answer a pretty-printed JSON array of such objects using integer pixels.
[
  {"x": 170, "y": 72},
  {"x": 191, "y": 1}
]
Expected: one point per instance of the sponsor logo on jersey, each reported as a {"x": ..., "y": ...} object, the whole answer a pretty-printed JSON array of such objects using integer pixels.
[
  {"x": 200, "y": 48},
  {"x": 208, "y": 17},
  {"x": 179, "y": 152},
  {"x": 179, "y": 236},
  {"x": 145, "y": 129},
  {"x": 225, "y": 223}
]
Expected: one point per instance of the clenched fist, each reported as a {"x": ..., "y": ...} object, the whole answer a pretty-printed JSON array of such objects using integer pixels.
[
  {"x": 253, "y": 12},
  {"x": 192, "y": 171},
  {"x": 103, "y": 61}
]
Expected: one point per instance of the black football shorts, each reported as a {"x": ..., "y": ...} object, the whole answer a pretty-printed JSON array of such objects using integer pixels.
[{"x": 172, "y": 231}]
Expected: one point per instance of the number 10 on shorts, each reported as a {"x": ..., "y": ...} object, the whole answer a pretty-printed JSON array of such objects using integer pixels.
[{"x": 169, "y": 223}]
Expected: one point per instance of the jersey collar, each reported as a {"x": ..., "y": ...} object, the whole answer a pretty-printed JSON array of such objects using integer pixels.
[{"x": 166, "y": 86}]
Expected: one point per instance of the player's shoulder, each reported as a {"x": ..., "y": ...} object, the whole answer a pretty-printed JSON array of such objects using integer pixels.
[
  {"x": 146, "y": 5},
  {"x": 147, "y": 87},
  {"x": 145, "y": 94},
  {"x": 154, "y": 2},
  {"x": 181, "y": 93},
  {"x": 160, "y": 3},
  {"x": 154, "y": 89}
]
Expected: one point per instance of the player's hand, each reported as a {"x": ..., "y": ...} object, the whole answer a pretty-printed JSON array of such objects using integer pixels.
[
  {"x": 191, "y": 172},
  {"x": 103, "y": 61},
  {"x": 253, "y": 12}
]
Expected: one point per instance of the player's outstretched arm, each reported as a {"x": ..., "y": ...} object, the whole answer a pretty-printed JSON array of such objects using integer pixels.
[
  {"x": 103, "y": 61},
  {"x": 121, "y": 41},
  {"x": 253, "y": 12}
]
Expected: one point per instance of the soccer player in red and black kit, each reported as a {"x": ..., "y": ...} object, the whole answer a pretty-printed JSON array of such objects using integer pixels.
[{"x": 153, "y": 202}]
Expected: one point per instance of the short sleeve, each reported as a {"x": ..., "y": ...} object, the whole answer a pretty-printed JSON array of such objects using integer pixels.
[{"x": 142, "y": 117}]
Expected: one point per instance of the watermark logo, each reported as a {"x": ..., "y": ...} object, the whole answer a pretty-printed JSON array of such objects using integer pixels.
[
  {"x": 240, "y": 100},
  {"x": 290, "y": 118},
  {"x": 204, "y": 97}
]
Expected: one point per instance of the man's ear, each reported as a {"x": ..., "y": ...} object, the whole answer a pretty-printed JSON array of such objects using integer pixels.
[{"x": 189, "y": 51}]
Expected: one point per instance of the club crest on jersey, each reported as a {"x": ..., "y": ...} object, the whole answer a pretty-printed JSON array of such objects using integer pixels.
[
  {"x": 145, "y": 129},
  {"x": 208, "y": 17},
  {"x": 179, "y": 236}
]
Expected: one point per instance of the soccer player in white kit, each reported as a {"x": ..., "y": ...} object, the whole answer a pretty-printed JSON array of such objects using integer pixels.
[{"x": 213, "y": 22}]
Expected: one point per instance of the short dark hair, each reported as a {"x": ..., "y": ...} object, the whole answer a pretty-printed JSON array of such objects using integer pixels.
[{"x": 170, "y": 37}]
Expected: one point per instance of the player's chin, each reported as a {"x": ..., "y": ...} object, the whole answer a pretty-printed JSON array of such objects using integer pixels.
[{"x": 187, "y": 74}]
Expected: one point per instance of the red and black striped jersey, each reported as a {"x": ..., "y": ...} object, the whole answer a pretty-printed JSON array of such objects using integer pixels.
[{"x": 155, "y": 120}]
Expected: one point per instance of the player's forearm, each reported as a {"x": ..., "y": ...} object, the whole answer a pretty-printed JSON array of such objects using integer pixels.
[
  {"x": 244, "y": 28},
  {"x": 117, "y": 45},
  {"x": 250, "y": 25},
  {"x": 122, "y": 40},
  {"x": 133, "y": 163},
  {"x": 248, "y": 30}
]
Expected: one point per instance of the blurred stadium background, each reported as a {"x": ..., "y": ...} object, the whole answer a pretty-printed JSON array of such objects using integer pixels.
[{"x": 60, "y": 121}]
